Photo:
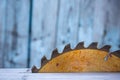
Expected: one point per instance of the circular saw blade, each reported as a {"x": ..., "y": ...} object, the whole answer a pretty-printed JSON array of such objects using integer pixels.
[{"x": 79, "y": 46}]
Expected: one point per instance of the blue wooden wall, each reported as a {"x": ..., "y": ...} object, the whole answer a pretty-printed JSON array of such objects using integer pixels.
[{"x": 27, "y": 32}]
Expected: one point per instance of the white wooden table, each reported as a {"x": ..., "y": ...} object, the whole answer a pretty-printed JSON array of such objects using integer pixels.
[{"x": 25, "y": 74}]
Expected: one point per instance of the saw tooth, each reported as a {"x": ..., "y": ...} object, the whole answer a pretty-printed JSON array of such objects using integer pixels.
[
  {"x": 34, "y": 69},
  {"x": 93, "y": 45},
  {"x": 54, "y": 53},
  {"x": 44, "y": 61},
  {"x": 106, "y": 48},
  {"x": 80, "y": 45},
  {"x": 67, "y": 48},
  {"x": 116, "y": 53}
]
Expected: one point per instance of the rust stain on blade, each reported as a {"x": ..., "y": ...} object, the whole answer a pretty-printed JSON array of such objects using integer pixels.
[{"x": 79, "y": 46}]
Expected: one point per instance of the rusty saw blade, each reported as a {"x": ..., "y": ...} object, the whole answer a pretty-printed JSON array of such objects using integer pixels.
[{"x": 79, "y": 46}]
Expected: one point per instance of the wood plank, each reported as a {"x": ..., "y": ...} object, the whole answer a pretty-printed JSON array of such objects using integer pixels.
[
  {"x": 25, "y": 74},
  {"x": 106, "y": 28},
  {"x": 17, "y": 18},
  {"x": 99, "y": 20},
  {"x": 86, "y": 21},
  {"x": 112, "y": 25},
  {"x": 43, "y": 29},
  {"x": 9, "y": 22},
  {"x": 22, "y": 29},
  {"x": 2, "y": 30},
  {"x": 68, "y": 19},
  {"x": 15, "y": 70}
]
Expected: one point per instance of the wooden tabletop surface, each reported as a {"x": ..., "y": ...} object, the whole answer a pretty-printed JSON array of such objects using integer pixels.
[{"x": 25, "y": 74}]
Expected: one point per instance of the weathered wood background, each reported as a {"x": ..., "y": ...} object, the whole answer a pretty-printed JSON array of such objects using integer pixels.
[{"x": 54, "y": 24}]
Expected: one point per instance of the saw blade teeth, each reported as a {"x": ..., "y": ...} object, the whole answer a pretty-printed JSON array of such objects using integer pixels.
[
  {"x": 44, "y": 61},
  {"x": 116, "y": 53},
  {"x": 80, "y": 45},
  {"x": 55, "y": 53},
  {"x": 34, "y": 69},
  {"x": 93, "y": 45},
  {"x": 66, "y": 48},
  {"x": 106, "y": 48}
]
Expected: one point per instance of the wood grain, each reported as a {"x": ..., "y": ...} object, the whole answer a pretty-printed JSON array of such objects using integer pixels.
[
  {"x": 43, "y": 29},
  {"x": 112, "y": 25},
  {"x": 9, "y": 24},
  {"x": 99, "y": 20},
  {"x": 68, "y": 23},
  {"x": 16, "y": 33},
  {"x": 86, "y": 24},
  {"x": 2, "y": 29},
  {"x": 106, "y": 23},
  {"x": 22, "y": 22}
]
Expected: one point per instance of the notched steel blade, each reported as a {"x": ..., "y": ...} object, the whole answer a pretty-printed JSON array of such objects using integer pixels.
[
  {"x": 67, "y": 48},
  {"x": 55, "y": 53},
  {"x": 116, "y": 53},
  {"x": 106, "y": 48},
  {"x": 80, "y": 45},
  {"x": 93, "y": 45},
  {"x": 34, "y": 69},
  {"x": 44, "y": 61}
]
